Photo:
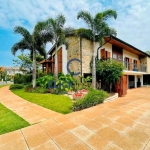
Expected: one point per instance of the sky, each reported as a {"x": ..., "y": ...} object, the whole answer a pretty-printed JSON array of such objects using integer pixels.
[{"x": 132, "y": 23}]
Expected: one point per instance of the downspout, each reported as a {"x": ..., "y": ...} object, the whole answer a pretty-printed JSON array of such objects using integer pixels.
[
  {"x": 101, "y": 46},
  {"x": 81, "y": 56}
]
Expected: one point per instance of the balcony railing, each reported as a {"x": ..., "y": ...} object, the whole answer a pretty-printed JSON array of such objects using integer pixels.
[{"x": 134, "y": 67}]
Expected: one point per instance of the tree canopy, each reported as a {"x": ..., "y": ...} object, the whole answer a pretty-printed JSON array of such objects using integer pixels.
[{"x": 109, "y": 70}]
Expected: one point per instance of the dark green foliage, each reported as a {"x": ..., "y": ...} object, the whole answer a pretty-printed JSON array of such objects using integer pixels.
[
  {"x": 109, "y": 70},
  {"x": 93, "y": 98},
  {"x": 22, "y": 79},
  {"x": 43, "y": 81},
  {"x": 16, "y": 86}
]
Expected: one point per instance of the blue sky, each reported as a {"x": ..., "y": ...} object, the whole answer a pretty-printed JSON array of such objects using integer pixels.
[{"x": 132, "y": 23}]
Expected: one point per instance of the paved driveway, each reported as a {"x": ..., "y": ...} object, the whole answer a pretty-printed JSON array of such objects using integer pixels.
[{"x": 121, "y": 124}]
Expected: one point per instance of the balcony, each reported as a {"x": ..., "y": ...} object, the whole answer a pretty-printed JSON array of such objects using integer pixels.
[{"x": 134, "y": 67}]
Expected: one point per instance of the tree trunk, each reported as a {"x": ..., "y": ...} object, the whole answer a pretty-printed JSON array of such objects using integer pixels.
[
  {"x": 34, "y": 69},
  {"x": 94, "y": 68},
  {"x": 56, "y": 65}
]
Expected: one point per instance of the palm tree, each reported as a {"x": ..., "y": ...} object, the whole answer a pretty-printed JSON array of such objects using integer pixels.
[
  {"x": 55, "y": 28},
  {"x": 32, "y": 42},
  {"x": 97, "y": 29}
]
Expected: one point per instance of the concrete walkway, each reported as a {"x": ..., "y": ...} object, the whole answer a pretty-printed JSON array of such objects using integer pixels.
[{"x": 123, "y": 124}]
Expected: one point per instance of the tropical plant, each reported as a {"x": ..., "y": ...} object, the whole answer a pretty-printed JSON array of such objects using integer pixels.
[
  {"x": 55, "y": 28},
  {"x": 45, "y": 81},
  {"x": 110, "y": 71},
  {"x": 92, "y": 98},
  {"x": 97, "y": 29},
  {"x": 33, "y": 42}
]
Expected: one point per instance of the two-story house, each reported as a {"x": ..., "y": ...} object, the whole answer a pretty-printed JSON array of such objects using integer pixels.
[{"x": 78, "y": 56}]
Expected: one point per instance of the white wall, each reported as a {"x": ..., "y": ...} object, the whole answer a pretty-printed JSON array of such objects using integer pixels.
[
  {"x": 107, "y": 46},
  {"x": 130, "y": 55},
  {"x": 64, "y": 59}
]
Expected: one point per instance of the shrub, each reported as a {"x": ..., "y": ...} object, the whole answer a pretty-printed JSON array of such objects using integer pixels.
[
  {"x": 36, "y": 90},
  {"x": 58, "y": 91},
  {"x": 93, "y": 98},
  {"x": 18, "y": 79},
  {"x": 43, "y": 81},
  {"x": 16, "y": 86},
  {"x": 22, "y": 79}
]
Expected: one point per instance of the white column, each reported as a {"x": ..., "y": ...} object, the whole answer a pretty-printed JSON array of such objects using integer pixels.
[
  {"x": 141, "y": 79},
  {"x": 64, "y": 59},
  {"x": 135, "y": 81}
]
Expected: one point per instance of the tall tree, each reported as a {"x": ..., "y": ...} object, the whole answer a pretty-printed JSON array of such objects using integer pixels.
[
  {"x": 55, "y": 27},
  {"x": 32, "y": 42},
  {"x": 97, "y": 29}
]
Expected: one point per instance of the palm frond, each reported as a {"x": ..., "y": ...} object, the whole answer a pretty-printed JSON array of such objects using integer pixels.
[
  {"x": 22, "y": 45},
  {"x": 86, "y": 16},
  {"x": 24, "y": 32},
  {"x": 85, "y": 33},
  {"x": 60, "y": 20},
  {"x": 109, "y": 14}
]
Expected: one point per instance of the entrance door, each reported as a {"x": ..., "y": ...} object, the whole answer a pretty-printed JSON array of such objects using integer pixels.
[
  {"x": 121, "y": 86},
  {"x": 131, "y": 81}
]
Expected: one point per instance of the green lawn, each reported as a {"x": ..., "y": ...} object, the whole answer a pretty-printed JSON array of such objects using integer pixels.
[
  {"x": 58, "y": 103},
  {"x": 9, "y": 121}
]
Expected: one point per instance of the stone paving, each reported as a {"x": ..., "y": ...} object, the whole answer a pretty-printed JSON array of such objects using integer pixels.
[{"x": 122, "y": 124}]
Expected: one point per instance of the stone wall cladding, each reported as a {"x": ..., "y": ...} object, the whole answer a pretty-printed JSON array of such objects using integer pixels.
[
  {"x": 74, "y": 52},
  {"x": 148, "y": 65},
  {"x": 87, "y": 52}
]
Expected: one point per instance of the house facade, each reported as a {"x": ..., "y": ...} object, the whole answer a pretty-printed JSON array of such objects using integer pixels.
[{"x": 78, "y": 56}]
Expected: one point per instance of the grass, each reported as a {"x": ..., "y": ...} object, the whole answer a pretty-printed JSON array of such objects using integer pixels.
[
  {"x": 9, "y": 121},
  {"x": 58, "y": 103}
]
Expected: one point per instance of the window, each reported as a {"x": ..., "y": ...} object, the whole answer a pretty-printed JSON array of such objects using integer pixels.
[
  {"x": 135, "y": 63},
  {"x": 114, "y": 56}
]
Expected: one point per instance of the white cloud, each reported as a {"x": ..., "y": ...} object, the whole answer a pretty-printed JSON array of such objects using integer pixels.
[{"x": 132, "y": 23}]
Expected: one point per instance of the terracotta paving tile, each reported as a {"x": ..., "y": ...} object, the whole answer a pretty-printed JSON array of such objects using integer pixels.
[
  {"x": 9, "y": 137},
  {"x": 109, "y": 134},
  {"x": 32, "y": 130},
  {"x": 34, "y": 140},
  {"x": 145, "y": 121},
  {"x": 94, "y": 125},
  {"x": 48, "y": 124},
  {"x": 126, "y": 143},
  {"x": 103, "y": 120},
  {"x": 61, "y": 119},
  {"x": 36, "y": 119},
  {"x": 69, "y": 124},
  {"x": 126, "y": 121},
  {"x": 113, "y": 147},
  {"x": 66, "y": 141},
  {"x": 142, "y": 127},
  {"x": 81, "y": 132},
  {"x": 80, "y": 146},
  {"x": 82, "y": 119},
  {"x": 118, "y": 126},
  {"x": 50, "y": 145},
  {"x": 138, "y": 136},
  {"x": 55, "y": 131},
  {"x": 147, "y": 146},
  {"x": 15, "y": 145},
  {"x": 97, "y": 142}
]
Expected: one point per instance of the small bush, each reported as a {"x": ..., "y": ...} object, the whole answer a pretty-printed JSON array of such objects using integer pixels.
[
  {"x": 22, "y": 79},
  {"x": 36, "y": 90},
  {"x": 16, "y": 86},
  {"x": 58, "y": 91},
  {"x": 93, "y": 98}
]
